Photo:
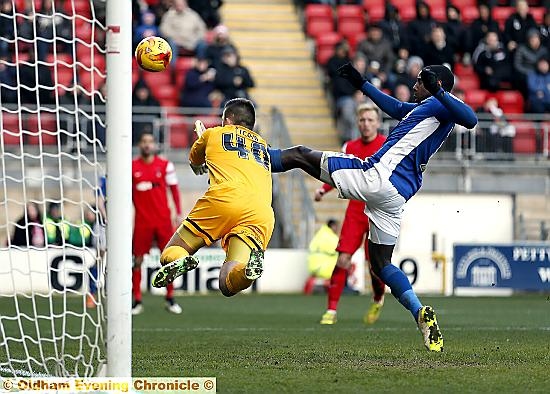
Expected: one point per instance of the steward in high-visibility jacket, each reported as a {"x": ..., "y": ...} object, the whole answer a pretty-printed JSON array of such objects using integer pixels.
[{"x": 322, "y": 252}]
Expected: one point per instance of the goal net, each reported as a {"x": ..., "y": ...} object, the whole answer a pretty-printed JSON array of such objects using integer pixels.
[{"x": 53, "y": 163}]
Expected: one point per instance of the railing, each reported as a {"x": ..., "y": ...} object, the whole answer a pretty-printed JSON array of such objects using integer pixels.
[
  {"x": 512, "y": 137},
  {"x": 291, "y": 199}
]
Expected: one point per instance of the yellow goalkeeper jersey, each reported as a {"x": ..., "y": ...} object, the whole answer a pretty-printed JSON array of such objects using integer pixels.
[
  {"x": 238, "y": 200},
  {"x": 234, "y": 154}
]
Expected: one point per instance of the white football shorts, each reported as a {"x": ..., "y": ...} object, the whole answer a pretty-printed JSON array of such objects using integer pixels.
[{"x": 356, "y": 179}]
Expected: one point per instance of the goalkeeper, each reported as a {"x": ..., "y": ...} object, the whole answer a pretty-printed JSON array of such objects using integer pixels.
[
  {"x": 390, "y": 177},
  {"x": 236, "y": 208}
]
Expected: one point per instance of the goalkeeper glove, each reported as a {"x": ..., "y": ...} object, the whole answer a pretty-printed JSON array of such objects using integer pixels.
[
  {"x": 347, "y": 71},
  {"x": 429, "y": 80},
  {"x": 200, "y": 169}
]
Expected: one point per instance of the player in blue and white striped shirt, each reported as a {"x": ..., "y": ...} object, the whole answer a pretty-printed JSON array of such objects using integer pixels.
[{"x": 389, "y": 178}]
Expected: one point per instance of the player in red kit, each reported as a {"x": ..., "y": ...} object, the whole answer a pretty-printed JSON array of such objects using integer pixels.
[
  {"x": 152, "y": 175},
  {"x": 355, "y": 228}
]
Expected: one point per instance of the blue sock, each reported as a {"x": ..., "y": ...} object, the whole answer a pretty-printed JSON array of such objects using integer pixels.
[
  {"x": 401, "y": 288},
  {"x": 276, "y": 163}
]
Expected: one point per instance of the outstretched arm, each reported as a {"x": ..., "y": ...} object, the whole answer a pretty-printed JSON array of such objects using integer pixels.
[
  {"x": 393, "y": 107},
  {"x": 461, "y": 113}
]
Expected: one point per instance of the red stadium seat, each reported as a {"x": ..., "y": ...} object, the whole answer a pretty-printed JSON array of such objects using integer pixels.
[
  {"x": 351, "y": 27},
  {"x": 475, "y": 98},
  {"x": 42, "y": 129},
  {"x": 403, "y": 3},
  {"x": 436, "y": 4},
  {"x": 348, "y": 11},
  {"x": 469, "y": 13},
  {"x": 167, "y": 95},
  {"x": 11, "y": 131},
  {"x": 370, "y": 4},
  {"x": 376, "y": 14},
  {"x": 184, "y": 64},
  {"x": 90, "y": 81},
  {"x": 317, "y": 11},
  {"x": 153, "y": 80},
  {"x": 525, "y": 141},
  {"x": 316, "y": 27},
  {"x": 538, "y": 13},
  {"x": 500, "y": 14},
  {"x": 468, "y": 82},
  {"x": 407, "y": 13},
  {"x": 179, "y": 128},
  {"x": 325, "y": 46},
  {"x": 510, "y": 101},
  {"x": 462, "y": 70},
  {"x": 439, "y": 14}
]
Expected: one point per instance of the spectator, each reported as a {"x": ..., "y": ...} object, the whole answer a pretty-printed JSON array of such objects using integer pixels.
[
  {"x": 35, "y": 91},
  {"x": 544, "y": 30},
  {"x": 8, "y": 84},
  {"x": 525, "y": 58},
  {"x": 342, "y": 91},
  {"x": 500, "y": 134},
  {"x": 438, "y": 50},
  {"x": 147, "y": 27},
  {"x": 142, "y": 97},
  {"x": 57, "y": 230},
  {"x": 538, "y": 85},
  {"x": 184, "y": 28},
  {"x": 6, "y": 26},
  {"x": 414, "y": 65},
  {"x": 232, "y": 79},
  {"x": 29, "y": 229},
  {"x": 402, "y": 93},
  {"x": 492, "y": 62},
  {"x": 322, "y": 254},
  {"x": 455, "y": 30},
  {"x": 481, "y": 26},
  {"x": 208, "y": 10},
  {"x": 420, "y": 28},
  {"x": 81, "y": 234},
  {"x": 48, "y": 22},
  {"x": 517, "y": 25},
  {"x": 378, "y": 51},
  {"x": 220, "y": 41},
  {"x": 199, "y": 85},
  {"x": 394, "y": 30}
]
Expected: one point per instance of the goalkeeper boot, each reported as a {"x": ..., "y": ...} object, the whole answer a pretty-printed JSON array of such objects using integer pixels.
[
  {"x": 168, "y": 273},
  {"x": 427, "y": 323},
  {"x": 329, "y": 317},
  {"x": 255, "y": 265},
  {"x": 373, "y": 313}
]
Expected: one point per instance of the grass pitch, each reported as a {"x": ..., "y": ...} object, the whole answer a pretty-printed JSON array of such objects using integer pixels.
[{"x": 274, "y": 344}]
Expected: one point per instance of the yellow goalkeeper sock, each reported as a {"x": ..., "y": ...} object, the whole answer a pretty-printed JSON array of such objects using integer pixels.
[
  {"x": 172, "y": 253},
  {"x": 236, "y": 279}
]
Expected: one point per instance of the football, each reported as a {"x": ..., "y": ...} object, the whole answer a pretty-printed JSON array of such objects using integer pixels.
[{"x": 153, "y": 54}]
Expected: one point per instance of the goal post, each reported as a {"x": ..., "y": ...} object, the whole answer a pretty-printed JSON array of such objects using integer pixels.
[
  {"x": 119, "y": 186},
  {"x": 65, "y": 294}
]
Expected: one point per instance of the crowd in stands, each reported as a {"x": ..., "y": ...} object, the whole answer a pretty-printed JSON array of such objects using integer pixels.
[
  {"x": 205, "y": 71},
  {"x": 492, "y": 47}
]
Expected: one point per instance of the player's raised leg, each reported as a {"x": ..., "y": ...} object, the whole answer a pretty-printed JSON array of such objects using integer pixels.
[
  {"x": 242, "y": 266},
  {"x": 176, "y": 258},
  {"x": 297, "y": 157},
  {"x": 381, "y": 253}
]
